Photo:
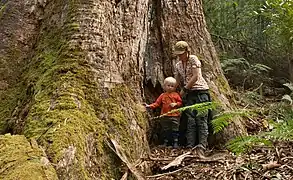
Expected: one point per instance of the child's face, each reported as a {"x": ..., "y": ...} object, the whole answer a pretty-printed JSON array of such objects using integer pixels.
[{"x": 169, "y": 87}]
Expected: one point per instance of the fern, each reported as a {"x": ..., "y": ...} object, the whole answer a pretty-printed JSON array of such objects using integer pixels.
[
  {"x": 289, "y": 85},
  {"x": 282, "y": 130},
  {"x": 201, "y": 108},
  {"x": 288, "y": 97},
  {"x": 242, "y": 144},
  {"x": 261, "y": 68},
  {"x": 225, "y": 118},
  {"x": 235, "y": 64}
]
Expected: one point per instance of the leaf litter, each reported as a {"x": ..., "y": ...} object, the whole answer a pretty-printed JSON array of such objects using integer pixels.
[{"x": 265, "y": 163}]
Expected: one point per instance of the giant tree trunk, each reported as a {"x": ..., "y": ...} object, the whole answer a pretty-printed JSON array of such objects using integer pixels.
[
  {"x": 181, "y": 20},
  {"x": 73, "y": 74}
]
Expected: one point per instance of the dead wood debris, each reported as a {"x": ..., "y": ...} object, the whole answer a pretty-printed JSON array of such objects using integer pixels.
[{"x": 261, "y": 163}]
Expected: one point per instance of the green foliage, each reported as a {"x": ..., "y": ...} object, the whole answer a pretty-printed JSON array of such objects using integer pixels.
[
  {"x": 223, "y": 119},
  {"x": 244, "y": 66},
  {"x": 233, "y": 18},
  {"x": 240, "y": 71},
  {"x": 241, "y": 144},
  {"x": 259, "y": 31},
  {"x": 2, "y": 8},
  {"x": 280, "y": 15},
  {"x": 220, "y": 121},
  {"x": 280, "y": 129},
  {"x": 288, "y": 97},
  {"x": 201, "y": 108}
]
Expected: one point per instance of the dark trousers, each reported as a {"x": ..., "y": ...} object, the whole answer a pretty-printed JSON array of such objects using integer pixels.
[
  {"x": 170, "y": 128},
  {"x": 194, "y": 125}
]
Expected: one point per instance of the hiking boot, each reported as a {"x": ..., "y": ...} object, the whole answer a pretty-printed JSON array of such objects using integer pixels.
[{"x": 200, "y": 150}]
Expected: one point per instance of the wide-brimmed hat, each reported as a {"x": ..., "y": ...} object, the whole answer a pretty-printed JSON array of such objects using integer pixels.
[{"x": 181, "y": 47}]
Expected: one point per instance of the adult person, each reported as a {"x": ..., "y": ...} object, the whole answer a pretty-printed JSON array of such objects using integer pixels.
[{"x": 194, "y": 90}]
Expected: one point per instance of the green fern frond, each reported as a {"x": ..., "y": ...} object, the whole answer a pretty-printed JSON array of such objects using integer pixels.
[
  {"x": 289, "y": 85},
  {"x": 261, "y": 67},
  {"x": 234, "y": 64},
  {"x": 287, "y": 98},
  {"x": 242, "y": 144},
  {"x": 281, "y": 131},
  {"x": 201, "y": 107},
  {"x": 223, "y": 119}
]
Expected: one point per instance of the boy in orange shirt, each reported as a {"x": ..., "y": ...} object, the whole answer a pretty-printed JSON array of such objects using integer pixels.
[{"x": 169, "y": 100}]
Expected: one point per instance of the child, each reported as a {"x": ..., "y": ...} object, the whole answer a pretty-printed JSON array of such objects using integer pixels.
[{"x": 169, "y": 100}]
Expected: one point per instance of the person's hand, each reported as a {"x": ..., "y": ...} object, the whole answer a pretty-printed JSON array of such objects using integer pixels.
[
  {"x": 173, "y": 104},
  {"x": 146, "y": 105}
]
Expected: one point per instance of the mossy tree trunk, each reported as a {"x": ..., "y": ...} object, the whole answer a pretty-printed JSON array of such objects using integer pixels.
[{"x": 81, "y": 76}]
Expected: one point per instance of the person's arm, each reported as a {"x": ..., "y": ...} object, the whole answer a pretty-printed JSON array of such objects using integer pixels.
[
  {"x": 196, "y": 65},
  {"x": 157, "y": 103},
  {"x": 178, "y": 100},
  {"x": 194, "y": 78},
  {"x": 177, "y": 76}
]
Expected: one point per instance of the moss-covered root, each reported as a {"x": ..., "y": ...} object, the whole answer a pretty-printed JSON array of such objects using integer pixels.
[{"x": 20, "y": 159}]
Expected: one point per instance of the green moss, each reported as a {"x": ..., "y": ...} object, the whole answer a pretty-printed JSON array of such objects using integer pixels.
[
  {"x": 223, "y": 84},
  {"x": 70, "y": 111},
  {"x": 2, "y": 8},
  {"x": 21, "y": 160}
]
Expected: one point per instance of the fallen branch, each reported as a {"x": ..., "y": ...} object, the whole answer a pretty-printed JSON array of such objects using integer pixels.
[
  {"x": 177, "y": 161},
  {"x": 168, "y": 173},
  {"x": 124, "y": 177},
  {"x": 158, "y": 159}
]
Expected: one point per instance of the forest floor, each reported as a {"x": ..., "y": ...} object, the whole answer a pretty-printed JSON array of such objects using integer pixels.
[{"x": 274, "y": 162}]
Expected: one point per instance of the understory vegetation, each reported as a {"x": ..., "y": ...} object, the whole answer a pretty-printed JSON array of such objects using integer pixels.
[{"x": 254, "y": 43}]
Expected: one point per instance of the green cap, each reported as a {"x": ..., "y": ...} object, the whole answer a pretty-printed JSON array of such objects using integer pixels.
[{"x": 181, "y": 47}]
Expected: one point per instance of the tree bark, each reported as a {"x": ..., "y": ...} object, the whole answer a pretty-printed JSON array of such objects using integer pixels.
[
  {"x": 83, "y": 76},
  {"x": 290, "y": 62},
  {"x": 181, "y": 20}
]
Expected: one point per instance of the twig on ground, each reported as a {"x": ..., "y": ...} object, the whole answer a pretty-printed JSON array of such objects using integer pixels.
[
  {"x": 177, "y": 161},
  {"x": 124, "y": 177},
  {"x": 168, "y": 173}
]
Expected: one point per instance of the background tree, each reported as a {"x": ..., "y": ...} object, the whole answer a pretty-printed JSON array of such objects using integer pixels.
[
  {"x": 76, "y": 73},
  {"x": 257, "y": 31}
]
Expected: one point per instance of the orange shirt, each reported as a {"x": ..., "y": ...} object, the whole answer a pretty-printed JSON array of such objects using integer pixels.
[{"x": 164, "y": 100}]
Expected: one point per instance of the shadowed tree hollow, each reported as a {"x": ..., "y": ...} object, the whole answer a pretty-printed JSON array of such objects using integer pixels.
[{"x": 74, "y": 73}]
